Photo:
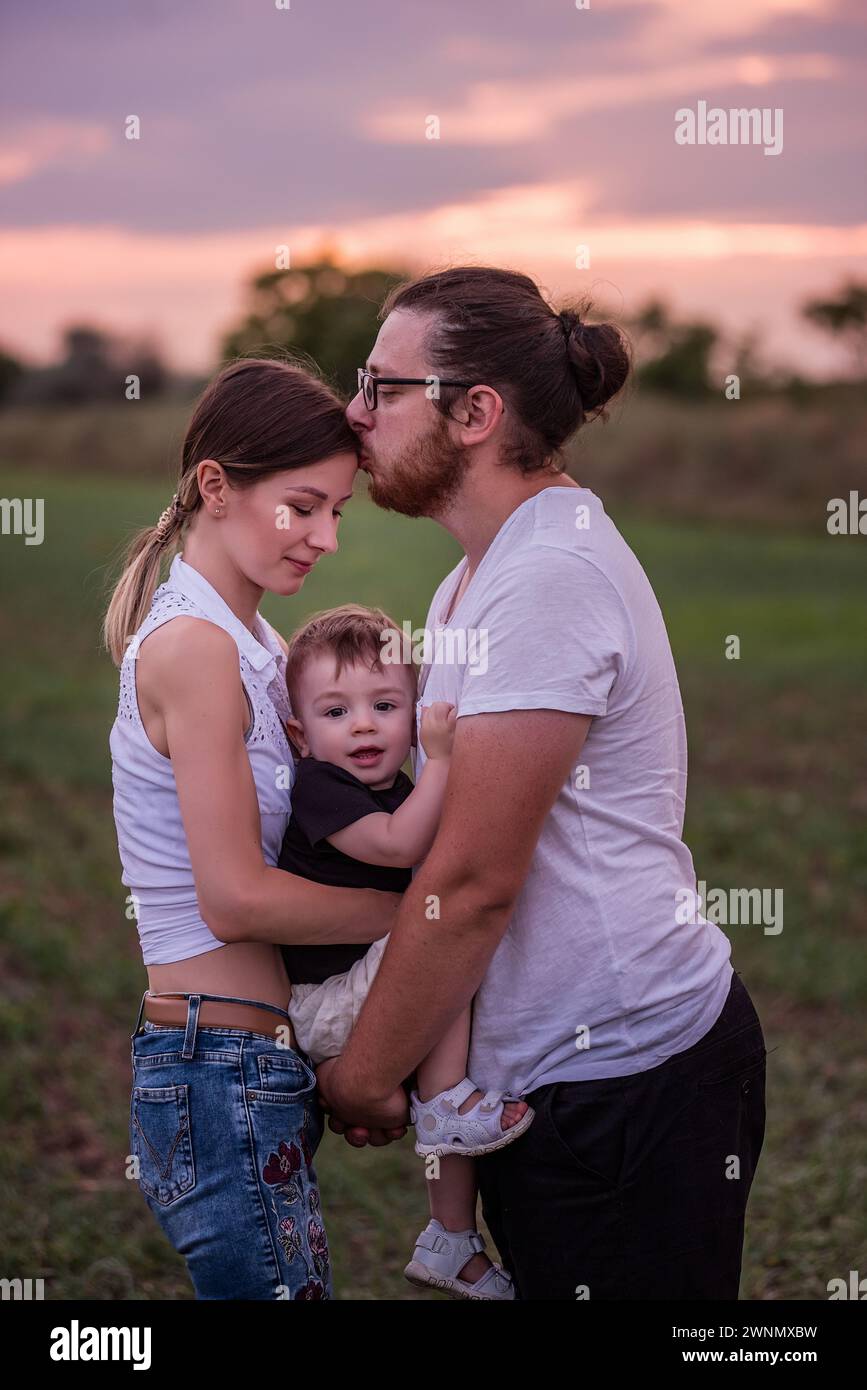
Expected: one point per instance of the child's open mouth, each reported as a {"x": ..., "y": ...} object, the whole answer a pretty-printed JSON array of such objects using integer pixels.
[{"x": 366, "y": 756}]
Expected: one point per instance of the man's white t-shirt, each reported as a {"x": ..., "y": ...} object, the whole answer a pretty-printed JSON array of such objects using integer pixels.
[{"x": 597, "y": 974}]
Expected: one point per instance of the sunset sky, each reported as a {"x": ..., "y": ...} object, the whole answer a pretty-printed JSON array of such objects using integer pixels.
[{"x": 304, "y": 126}]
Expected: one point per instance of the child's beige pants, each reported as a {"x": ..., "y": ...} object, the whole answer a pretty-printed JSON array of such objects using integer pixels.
[{"x": 324, "y": 1015}]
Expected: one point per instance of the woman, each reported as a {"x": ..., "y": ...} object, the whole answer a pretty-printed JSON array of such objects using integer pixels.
[{"x": 224, "y": 1119}]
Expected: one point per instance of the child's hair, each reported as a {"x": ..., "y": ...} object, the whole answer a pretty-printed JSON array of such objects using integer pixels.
[
  {"x": 258, "y": 416},
  {"x": 352, "y": 633}
]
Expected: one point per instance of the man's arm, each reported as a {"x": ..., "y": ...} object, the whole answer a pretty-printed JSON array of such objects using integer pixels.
[{"x": 507, "y": 770}]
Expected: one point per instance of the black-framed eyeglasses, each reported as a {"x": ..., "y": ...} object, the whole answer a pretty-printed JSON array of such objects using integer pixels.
[{"x": 368, "y": 384}]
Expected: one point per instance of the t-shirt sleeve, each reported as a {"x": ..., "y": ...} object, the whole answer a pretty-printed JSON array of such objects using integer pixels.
[
  {"x": 326, "y": 799},
  {"x": 552, "y": 634}
]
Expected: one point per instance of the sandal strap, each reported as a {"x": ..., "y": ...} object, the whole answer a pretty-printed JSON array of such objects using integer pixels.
[
  {"x": 496, "y": 1276},
  {"x": 441, "y": 1242},
  {"x": 455, "y": 1098},
  {"x": 440, "y": 1121},
  {"x": 458, "y": 1094}
]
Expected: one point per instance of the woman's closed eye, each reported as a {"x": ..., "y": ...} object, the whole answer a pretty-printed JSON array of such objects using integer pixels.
[{"x": 308, "y": 511}]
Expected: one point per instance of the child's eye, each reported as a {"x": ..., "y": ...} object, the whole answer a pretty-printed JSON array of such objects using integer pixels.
[
  {"x": 384, "y": 704},
  {"x": 335, "y": 710}
]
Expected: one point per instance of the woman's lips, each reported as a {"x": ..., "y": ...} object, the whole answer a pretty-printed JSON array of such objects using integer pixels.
[{"x": 300, "y": 565}]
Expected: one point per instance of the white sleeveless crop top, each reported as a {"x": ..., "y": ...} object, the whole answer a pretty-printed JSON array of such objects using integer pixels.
[{"x": 150, "y": 832}]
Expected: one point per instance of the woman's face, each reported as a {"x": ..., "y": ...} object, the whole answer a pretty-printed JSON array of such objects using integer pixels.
[{"x": 279, "y": 528}]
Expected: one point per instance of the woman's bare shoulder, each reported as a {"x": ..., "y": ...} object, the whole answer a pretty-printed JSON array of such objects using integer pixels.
[{"x": 187, "y": 649}]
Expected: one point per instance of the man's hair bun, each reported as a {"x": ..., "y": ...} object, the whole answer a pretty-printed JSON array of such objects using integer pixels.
[{"x": 599, "y": 354}]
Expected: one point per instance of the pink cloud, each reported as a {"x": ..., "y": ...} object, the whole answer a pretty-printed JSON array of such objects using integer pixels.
[{"x": 47, "y": 144}]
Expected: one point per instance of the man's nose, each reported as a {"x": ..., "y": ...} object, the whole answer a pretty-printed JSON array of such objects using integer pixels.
[{"x": 357, "y": 413}]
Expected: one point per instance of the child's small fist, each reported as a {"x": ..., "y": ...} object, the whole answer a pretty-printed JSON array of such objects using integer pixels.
[{"x": 437, "y": 732}]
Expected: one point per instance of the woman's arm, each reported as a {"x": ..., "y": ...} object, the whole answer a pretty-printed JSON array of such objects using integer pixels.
[{"x": 192, "y": 677}]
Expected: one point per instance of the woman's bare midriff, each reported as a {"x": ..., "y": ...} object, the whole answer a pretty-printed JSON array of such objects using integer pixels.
[{"x": 244, "y": 969}]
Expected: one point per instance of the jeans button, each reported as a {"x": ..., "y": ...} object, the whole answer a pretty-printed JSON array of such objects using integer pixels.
[{"x": 745, "y": 1087}]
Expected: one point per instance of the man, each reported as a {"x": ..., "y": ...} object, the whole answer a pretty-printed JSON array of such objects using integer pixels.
[{"x": 551, "y": 892}]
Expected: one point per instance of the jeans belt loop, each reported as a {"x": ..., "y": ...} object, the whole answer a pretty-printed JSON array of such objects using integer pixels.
[
  {"x": 192, "y": 1025},
  {"x": 140, "y": 1012}
]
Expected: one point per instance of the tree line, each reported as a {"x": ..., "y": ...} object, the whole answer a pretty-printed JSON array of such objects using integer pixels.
[{"x": 327, "y": 315}]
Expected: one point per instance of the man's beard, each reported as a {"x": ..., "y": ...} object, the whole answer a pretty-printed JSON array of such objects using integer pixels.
[{"x": 424, "y": 478}]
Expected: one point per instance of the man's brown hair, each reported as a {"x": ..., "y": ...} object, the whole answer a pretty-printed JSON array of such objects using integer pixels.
[{"x": 494, "y": 327}]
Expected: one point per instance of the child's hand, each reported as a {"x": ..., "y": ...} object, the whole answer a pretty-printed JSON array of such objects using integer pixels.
[{"x": 437, "y": 732}]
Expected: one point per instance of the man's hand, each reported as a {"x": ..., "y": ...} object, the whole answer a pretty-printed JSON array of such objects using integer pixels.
[
  {"x": 358, "y": 1136},
  {"x": 376, "y": 1125}
]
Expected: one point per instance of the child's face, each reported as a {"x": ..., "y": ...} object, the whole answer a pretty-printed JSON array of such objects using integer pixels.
[{"x": 360, "y": 720}]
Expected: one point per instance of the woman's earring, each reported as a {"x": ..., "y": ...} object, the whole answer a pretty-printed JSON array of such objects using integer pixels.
[{"x": 217, "y": 511}]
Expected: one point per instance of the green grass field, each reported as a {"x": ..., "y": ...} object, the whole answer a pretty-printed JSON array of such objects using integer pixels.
[{"x": 777, "y": 797}]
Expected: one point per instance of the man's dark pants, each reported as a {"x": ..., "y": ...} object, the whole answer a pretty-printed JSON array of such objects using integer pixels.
[{"x": 636, "y": 1187}]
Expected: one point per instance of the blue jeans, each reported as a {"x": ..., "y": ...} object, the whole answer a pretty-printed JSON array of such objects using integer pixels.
[{"x": 224, "y": 1124}]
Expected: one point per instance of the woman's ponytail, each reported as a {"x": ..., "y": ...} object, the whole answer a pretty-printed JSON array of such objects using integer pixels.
[{"x": 142, "y": 563}]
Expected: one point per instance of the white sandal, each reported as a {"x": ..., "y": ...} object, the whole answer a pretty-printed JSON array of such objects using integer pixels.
[
  {"x": 440, "y": 1255},
  {"x": 441, "y": 1129}
]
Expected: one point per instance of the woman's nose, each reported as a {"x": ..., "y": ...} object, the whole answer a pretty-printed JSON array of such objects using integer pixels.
[{"x": 324, "y": 537}]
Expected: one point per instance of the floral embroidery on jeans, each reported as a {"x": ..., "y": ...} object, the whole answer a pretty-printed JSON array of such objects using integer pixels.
[
  {"x": 312, "y": 1290},
  {"x": 318, "y": 1246},
  {"x": 290, "y": 1238},
  {"x": 282, "y": 1173}
]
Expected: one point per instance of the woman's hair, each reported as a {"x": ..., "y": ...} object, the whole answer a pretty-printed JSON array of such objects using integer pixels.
[
  {"x": 258, "y": 416},
  {"x": 353, "y": 634},
  {"x": 493, "y": 327}
]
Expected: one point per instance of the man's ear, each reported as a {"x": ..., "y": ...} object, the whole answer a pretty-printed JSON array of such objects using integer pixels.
[{"x": 295, "y": 732}]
